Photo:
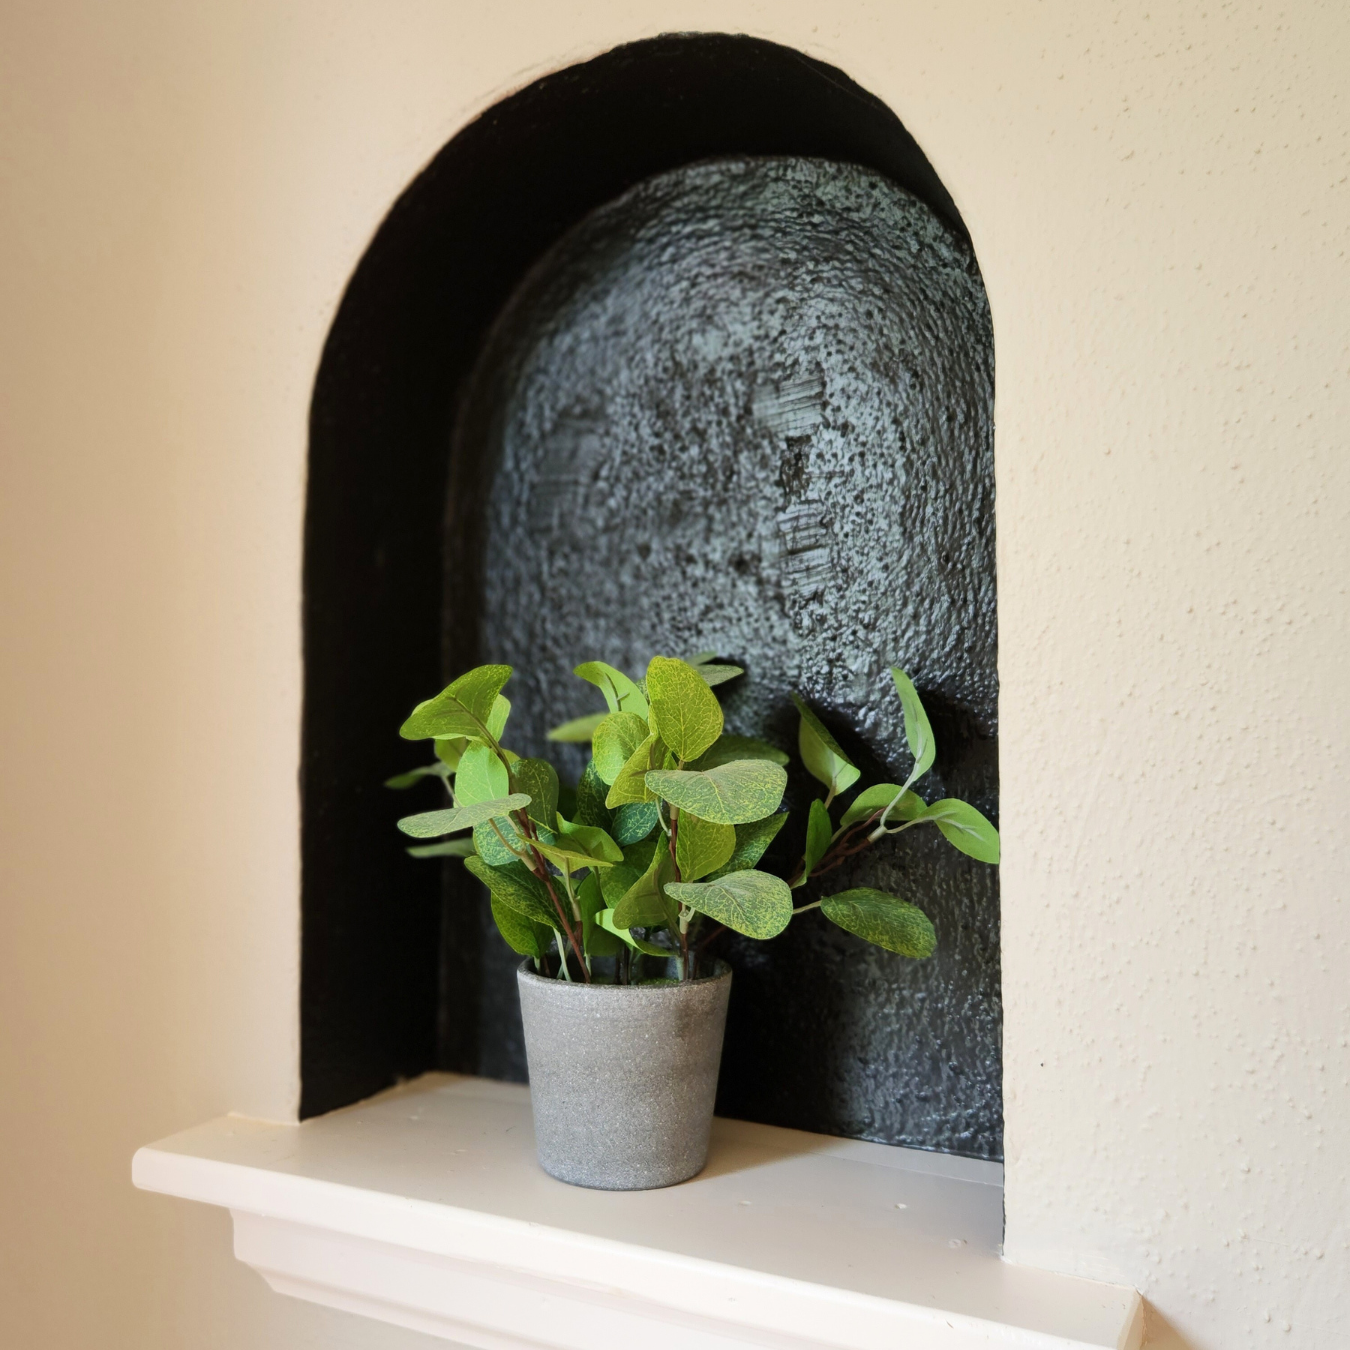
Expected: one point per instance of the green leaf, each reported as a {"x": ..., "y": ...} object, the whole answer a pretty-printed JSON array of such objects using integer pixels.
[
  {"x": 481, "y": 776},
  {"x": 621, "y": 694},
  {"x": 731, "y": 794},
  {"x": 819, "y": 831},
  {"x": 714, "y": 674},
  {"x": 645, "y": 904},
  {"x": 449, "y": 848},
  {"x": 590, "y": 808},
  {"x": 619, "y": 879},
  {"x": 883, "y": 920},
  {"x": 821, "y": 754},
  {"x": 579, "y": 730},
  {"x": 538, "y": 779},
  {"x": 517, "y": 888},
  {"x": 606, "y": 921},
  {"x": 753, "y": 903},
  {"x": 616, "y": 738},
  {"x": 876, "y": 798},
  {"x": 634, "y": 821},
  {"x": 701, "y": 846},
  {"x": 727, "y": 748},
  {"x": 631, "y": 784},
  {"x": 406, "y": 780},
  {"x": 918, "y": 732},
  {"x": 701, "y": 658},
  {"x": 461, "y": 708},
  {"x": 595, "y": 938},
  {"x": 751, "y": 841},
  {"x": 578, "y": 846},
  {"x": 491, "y": 849},
  {"x": 964, "y": 828},
  {"x": 431, "y": 823},
  {"x": 522, "y": 936},
  {"x": 684, "y": 711},
  {"x": 449, "y": 749},
  {"x": 496, "y": 722}
]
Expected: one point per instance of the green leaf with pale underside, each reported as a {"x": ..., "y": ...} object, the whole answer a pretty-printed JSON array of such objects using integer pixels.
[
  {"x": 883, "y": 920},
  {"x": 685, "y": 712},
  {"x": 964, "y": 828},
  {"x": 818, "y": 833},
  {"x": 448, "y": 848},
  {"x": 753, "y": 903},
  {"x": 406, "y": 780},
  {"x": 876, "y": 798},
  {"x": 579, "y": 730},
  {"x": 918, "y": 732},
  {"x": 821, "y": 754},
  {"x": 731, "y": 794},
  {"x": 432, "y": 823},
  {"x": 621, "y": 694}
]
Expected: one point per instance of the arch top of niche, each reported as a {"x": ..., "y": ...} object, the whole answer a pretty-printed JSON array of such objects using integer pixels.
[{"x": 399, "y": 358}]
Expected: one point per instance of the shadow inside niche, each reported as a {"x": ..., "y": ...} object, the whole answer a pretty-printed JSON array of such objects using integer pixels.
[{"x": 745, "y": 407}]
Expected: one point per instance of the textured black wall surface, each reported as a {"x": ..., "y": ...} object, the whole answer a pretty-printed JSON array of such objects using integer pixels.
[
  {"x": 378, "y": 990},
  {"x": 747, "y": 407}
]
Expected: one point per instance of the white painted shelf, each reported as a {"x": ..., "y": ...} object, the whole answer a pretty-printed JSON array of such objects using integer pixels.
[{"x": 425, "y": 1207}]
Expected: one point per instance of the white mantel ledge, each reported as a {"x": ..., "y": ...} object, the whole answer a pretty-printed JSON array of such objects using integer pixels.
[{"x": 425, "y": 1207}]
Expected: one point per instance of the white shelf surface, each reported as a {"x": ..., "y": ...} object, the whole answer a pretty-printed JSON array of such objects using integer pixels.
[{"x": 425, "y": 1206}]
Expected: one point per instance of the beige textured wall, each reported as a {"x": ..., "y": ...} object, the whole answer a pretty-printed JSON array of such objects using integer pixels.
[{"x": 1158, "y": 196}]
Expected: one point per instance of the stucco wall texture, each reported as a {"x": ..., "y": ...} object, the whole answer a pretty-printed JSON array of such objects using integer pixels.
[{"x": 1158, "y": 200}]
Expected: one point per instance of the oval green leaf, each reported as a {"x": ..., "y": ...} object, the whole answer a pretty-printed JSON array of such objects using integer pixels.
[
  {"x": 462, "y": 708},
  {"x": 883, "y": 920},
  {"x": 731, "y": 794},
  {"x": 753, "y": 903},
  {"x": 751, "y": 841},
  {"x": 701, "y": 846},
  {"x": 481, "y": 776},
  {"x": 516, "y": 888},
  {"x": 538, "y": 779},
  {"x": 522, "y": 936},
  {"x": 684, "y": 710},
  {"x": 727, "y": 748},
  {"x": 616, "y": 738}
]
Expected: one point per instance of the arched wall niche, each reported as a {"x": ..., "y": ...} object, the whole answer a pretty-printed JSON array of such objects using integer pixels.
[{"x": 398, "y": 975}]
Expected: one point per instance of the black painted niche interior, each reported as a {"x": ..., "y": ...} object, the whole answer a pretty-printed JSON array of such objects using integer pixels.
[{"x": 492, "y": 244}]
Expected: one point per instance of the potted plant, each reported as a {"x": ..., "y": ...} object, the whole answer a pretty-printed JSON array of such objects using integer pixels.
[{"x": 614, "y": 890}]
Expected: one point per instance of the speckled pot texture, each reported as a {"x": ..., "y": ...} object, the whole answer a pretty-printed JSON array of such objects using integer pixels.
[{"x": 623, "y": 1078}]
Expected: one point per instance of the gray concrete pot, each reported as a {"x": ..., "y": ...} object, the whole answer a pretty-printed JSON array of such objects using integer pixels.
[{"x": 622, "y": 1077}]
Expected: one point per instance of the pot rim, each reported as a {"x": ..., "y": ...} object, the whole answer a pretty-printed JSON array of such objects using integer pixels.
[{"x": 721, "y": 971}]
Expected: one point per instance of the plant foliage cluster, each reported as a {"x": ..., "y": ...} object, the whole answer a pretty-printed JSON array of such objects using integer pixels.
[{"x": 655, "y": 851}]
